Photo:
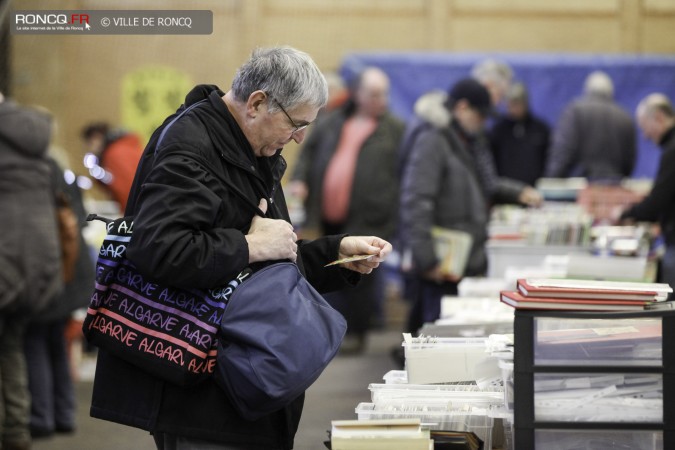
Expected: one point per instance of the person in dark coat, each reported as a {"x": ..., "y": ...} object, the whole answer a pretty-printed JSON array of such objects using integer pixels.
[
  {"x": 594, "y": 138},
  {"x": 49, "y": 371},
  {"x": 193, "y": 203},
  {"x": 656, "y": 119},
  {"x": 434, "y": 115},
  {"x": 519, "y": 140},
  {"x": 442, "y": 188},
  {"x": 30, "y": 259}
]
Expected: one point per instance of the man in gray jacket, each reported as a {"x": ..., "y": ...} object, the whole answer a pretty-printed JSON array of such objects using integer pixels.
[
  {"x": 594, "y": 138},
  {"x": 442, "y": 187},
  {"x": 30, "y": 258}
]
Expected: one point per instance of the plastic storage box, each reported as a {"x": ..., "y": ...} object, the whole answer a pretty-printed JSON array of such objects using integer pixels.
[
  {"x": 436, "y": 418},
  {"x": 596, "y": 397},
  {"x": 507, "y": 382},
  {"x": 443, "y": 360},
  {"x": 599, "y": 439},
  {"x": 594, "y": 380},
  {"x": 503, "y": 255},
  {"x": 598, "y": 342},
  {"x": 456, "y": 396},
  {"x": 470, "y": 317}
]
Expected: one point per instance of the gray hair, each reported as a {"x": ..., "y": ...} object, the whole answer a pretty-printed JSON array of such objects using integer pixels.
[
  {"x": 517, "y": 93},
  {"x": 655, "y": 102},
  {"x": 600, "y": 84},
  {"x": 492, "y": 71},
  {"x": 288, "y": 75}
]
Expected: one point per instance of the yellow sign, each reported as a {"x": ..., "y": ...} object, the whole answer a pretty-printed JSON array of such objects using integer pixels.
[{"x": 149, "y": 95}]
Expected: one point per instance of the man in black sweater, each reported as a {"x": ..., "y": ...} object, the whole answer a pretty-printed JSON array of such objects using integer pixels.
[
  {"x": 519, "y": 140},
  {"x": 656, "y": 119}
]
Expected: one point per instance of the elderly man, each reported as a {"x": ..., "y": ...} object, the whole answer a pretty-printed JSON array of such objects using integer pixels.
[
  {"x": 595, "y": 138},
  {"x": 656, "y": 119},
  {"x": 193, "y": 203},
  {"x": 496, "y": 76},
  {"x": 350, "y": 162}
]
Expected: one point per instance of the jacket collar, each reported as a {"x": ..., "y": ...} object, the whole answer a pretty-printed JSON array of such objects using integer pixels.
[
  {"x": 229, "y": 139},
  {"x": 667, "y": 137}
]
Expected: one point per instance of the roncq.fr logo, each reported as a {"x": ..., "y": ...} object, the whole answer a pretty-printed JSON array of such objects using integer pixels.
[{"x": 52, "y": 19}]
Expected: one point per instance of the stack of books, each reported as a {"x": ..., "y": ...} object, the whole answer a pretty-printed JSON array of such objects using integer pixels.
[
  {"x": 452, "y": 248},
  {"x": 587, "y": 295},
  {"x": 385, "y": 434},
  {"x": 456, "y": 440}
]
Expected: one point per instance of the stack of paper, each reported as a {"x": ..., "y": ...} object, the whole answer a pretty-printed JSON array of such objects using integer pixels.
[
  {"x": 389, "y": 434},
  {"x": 587, "y": 295}
]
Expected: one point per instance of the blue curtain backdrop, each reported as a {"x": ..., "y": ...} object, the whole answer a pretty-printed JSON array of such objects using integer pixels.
[{"x": 552, "y": 79}]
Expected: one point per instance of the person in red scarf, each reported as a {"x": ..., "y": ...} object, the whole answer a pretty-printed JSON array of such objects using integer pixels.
[
  {"x": 350, "y": 163},
  {"x": 112, "y": 159}
]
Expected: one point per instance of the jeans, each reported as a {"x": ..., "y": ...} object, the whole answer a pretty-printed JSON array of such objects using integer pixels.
[
  {"x": 15, "y": 407},
  {"x": 49, "y": 376},
  {"x": 426, "y": 297}
]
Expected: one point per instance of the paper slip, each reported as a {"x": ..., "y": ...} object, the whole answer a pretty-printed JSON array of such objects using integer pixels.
[{"x": 349, "y": 259}]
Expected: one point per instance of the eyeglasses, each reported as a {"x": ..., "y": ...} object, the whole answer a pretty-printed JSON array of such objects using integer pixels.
[{"x": 295, "y": 126}]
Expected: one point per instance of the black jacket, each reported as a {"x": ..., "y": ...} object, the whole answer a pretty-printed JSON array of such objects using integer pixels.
[
  {"x": 520, "y": 148},
  {"x": 659, "y": 205},
  {"x": 193, "y": 202}
]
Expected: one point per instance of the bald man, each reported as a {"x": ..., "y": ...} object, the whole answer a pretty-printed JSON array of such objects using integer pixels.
[
  {"x": 496, "y": 76},
  {"x": 656, "y": 119},
  {"x": 351, "y": 173}
]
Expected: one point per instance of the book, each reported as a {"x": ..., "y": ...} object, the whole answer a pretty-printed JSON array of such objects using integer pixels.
[
  {"x": 452, "y": 248},
  {"x": 456, "y": 440},
  {"x": 590, "y": 289},
  {"x": 519, "y": 301},
  {"x": 380, "y": 434}
]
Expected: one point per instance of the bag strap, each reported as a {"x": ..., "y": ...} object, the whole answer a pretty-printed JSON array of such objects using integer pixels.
[
  {"x": 105, "y": 220},
  {"x": 166, "y": 128},
  {"x": 218, "y": 175}
]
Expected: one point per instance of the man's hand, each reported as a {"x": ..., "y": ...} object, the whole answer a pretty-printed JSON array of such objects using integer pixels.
[
  {"x": 364, "y": 245},
  {"x": 270, "y": 239},
  {"x": 530, "y": 196},
  {"x": 438, "y": 276}
]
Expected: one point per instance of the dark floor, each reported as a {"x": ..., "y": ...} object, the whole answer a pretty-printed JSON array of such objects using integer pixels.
[{"x": 334, "y": 396}]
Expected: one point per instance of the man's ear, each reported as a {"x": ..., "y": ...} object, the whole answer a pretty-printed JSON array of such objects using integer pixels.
[{"x": 255, "y": 101}]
